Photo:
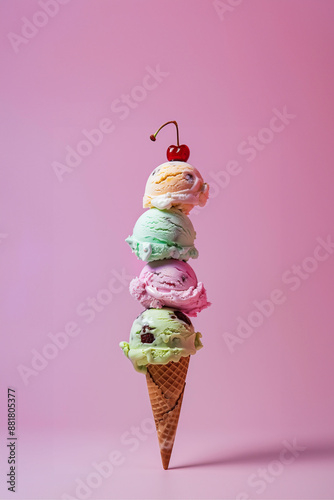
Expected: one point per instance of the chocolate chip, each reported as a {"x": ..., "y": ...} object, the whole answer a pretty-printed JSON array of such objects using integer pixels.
[
  {"x": 190, "y": 177},
  {"x": 146, "y": 328},
  {"x": 182, "y": 317},
  {"x": 147, "y": 338},
  {"x": 155, "y": 171}
]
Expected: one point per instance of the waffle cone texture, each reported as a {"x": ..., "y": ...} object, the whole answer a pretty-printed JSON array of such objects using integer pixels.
[{"x": 165, "y": 384}]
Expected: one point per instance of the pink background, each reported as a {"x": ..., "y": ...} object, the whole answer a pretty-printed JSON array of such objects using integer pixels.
[{"x": 222, "y": 75}]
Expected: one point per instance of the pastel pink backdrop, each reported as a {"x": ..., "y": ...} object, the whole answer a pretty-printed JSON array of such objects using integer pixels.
[{"x": 62, "y": 242}]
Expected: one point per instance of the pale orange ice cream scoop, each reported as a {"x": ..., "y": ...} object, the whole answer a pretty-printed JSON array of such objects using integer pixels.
[{"x": 175, "y": 184}]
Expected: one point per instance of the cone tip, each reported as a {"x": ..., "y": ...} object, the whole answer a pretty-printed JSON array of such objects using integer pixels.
[{"x": 165, "y": 463}]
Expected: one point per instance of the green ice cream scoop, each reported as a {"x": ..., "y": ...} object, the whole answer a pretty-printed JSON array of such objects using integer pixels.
[
  {"x": 163, "y": 234},
  {"x": 159, "y": 336}
]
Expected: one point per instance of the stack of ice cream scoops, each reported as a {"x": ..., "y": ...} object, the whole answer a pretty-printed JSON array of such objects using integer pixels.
[{"x": 162, "y": 338}]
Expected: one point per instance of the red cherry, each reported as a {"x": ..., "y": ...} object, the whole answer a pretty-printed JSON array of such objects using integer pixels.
[{"x": 178, "y": 153}]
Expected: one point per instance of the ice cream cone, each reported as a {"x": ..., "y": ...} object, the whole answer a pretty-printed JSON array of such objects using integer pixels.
[{"x": 166, "y": 385}]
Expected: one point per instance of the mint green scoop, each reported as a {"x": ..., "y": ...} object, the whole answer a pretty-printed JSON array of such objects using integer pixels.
[{"x": 163, "y": 234}]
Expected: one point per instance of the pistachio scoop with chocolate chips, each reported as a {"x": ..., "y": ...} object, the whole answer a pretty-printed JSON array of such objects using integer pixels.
[{"x": 159, "y": 336}]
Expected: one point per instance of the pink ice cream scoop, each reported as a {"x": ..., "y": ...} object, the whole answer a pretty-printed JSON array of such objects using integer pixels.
[{"x": 170, "y": 283}]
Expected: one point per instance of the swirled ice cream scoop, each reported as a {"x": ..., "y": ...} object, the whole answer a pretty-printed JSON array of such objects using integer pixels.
[
  {"x": 175, "y": 184},
  {"x": 170, "y": 283},
  {"x": 163, "y": 234},
  {"x": 159, "y": 336}
]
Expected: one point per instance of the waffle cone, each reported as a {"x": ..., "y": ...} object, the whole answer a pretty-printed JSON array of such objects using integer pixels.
[{"x": 166, "y": 385}]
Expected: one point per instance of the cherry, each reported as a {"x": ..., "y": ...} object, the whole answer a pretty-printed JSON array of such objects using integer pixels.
[{"x": 179, "y": 152}]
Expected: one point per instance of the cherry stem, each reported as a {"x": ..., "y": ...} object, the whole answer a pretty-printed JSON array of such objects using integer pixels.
[{"x": 153, "y": 136}]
